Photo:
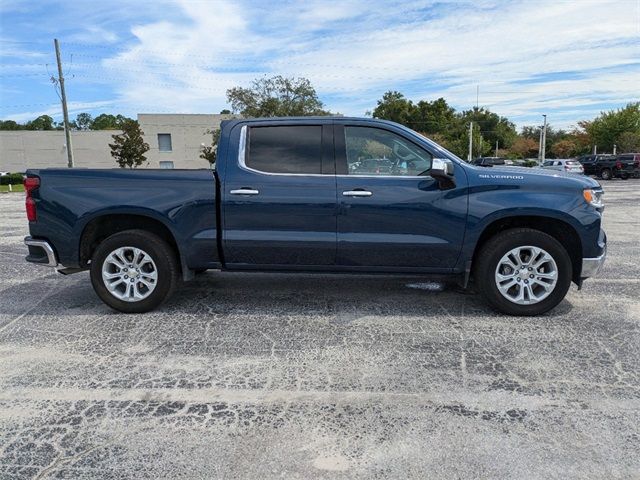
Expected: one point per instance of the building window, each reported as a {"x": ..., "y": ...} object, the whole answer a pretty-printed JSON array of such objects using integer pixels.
[
  {"x": 166, "y": 164},
  {"x": 164, "y": 142}
]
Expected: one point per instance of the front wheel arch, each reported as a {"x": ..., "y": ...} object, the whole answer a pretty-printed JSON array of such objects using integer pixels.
[{"x": 562, "y": 231}]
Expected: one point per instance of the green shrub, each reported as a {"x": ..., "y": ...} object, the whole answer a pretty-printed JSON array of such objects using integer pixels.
[{"x": 11, "y": 179}]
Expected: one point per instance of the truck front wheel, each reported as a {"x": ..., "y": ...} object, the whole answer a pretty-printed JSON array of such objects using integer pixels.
[
  {"x": 605, "y": 174},
  {"x": 523, "y": 271},
  {"x": 134, "y": 271}
]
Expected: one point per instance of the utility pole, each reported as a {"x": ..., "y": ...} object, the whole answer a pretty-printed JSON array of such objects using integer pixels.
[
  {"x": 615, "y": 147},
  {"x": 540, "y": 145},
  {"x": 544, "y": 137},
  {"x": 65, "y": 112},
  {"x": 496, "y": 148},
  {"x": 470, "y": 140}
]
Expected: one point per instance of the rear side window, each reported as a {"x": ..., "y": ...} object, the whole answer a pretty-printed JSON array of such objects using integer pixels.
[{"x": 285, "y": 149}]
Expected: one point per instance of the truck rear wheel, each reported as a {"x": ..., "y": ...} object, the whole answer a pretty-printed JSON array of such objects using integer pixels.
[
  {"x": 523, "y": 271},
  {"x": 134, "y": 271}
]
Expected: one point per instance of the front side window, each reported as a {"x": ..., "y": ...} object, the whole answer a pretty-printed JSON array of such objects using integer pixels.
[
  {"x": 373, "y": 151},
  {"x": 164, "y": 142},
  {"x": 285, "y": 149},
  {"x": 548, "y": 163}
]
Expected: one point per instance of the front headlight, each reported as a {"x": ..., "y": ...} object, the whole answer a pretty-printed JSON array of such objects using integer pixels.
[{"x": 594, "y": 197}]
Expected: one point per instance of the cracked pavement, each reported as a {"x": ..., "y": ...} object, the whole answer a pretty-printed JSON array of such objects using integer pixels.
[{"x": 319, "y": 376}]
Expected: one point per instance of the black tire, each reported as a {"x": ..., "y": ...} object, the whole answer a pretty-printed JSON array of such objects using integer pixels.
[
  {"x": 495, "y": 248},
  {"x": 624, "y": 176},
  {"x": 160, "y": 252},
  {"x": 605, "y": 174}
]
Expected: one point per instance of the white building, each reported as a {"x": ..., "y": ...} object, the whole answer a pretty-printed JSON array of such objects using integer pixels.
[{"x": 175, "y": 141}]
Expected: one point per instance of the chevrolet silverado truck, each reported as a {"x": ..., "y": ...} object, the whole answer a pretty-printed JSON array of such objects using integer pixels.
[{"x": 327, "y": 194}]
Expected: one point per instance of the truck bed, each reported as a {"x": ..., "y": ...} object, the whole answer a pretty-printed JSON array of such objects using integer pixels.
[{"x": 183, "y": 201}]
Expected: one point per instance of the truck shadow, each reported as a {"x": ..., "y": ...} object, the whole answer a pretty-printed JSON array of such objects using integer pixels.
[{"x": 342, "y": 297}]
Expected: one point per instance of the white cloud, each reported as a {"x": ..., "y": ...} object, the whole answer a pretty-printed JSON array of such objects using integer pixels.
[{"x": 355, "y": 50}]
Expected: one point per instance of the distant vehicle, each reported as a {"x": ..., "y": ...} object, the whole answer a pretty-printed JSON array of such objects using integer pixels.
[
  {"x": 564, "y": 165},
  {"x": 373, "y": 165},
  {"x": 607, "y": 167},
  {"x": 625, "y": 158},
  {"x": 491, "y": 161}
]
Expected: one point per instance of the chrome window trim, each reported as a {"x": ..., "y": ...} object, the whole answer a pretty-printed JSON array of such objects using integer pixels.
[
  {"x": 242, "y": 153},
  {"x": 242, "y": 157}
]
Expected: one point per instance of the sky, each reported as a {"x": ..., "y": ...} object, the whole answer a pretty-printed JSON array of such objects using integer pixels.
[{"x": 568, "y": 59}]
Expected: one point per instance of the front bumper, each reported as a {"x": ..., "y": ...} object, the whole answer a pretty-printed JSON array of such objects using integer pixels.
[
  {"x": 40, "y": 252},
  {"x": 592, "y": 266}
]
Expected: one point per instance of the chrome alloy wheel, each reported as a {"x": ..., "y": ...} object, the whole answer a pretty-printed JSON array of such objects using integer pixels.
[
  {"x": 526, "y": 275},
  {"x": 129, "y": 274}
]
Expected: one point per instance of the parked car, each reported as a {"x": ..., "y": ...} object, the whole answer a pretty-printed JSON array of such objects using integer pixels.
[
  {"x": 562, "y": 165},
  {"x": 625, "y": 158},
  {"x": 490, "y": 161},
  {"x": 606, "y": 166},
  {"x": 284, "y": 198}
]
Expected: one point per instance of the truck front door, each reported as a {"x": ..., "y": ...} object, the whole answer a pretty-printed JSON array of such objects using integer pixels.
[
  {"x": 279, "y": 197},
  {"x": 392, "y": 214}
]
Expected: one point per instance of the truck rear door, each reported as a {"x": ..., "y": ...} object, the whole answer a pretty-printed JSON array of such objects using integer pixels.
[
  {"x": 393, "y": 215},
  {"x": 279, "y": 197}
]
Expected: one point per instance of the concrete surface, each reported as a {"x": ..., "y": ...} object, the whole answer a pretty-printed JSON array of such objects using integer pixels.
[{"x": 263, "y": 376}]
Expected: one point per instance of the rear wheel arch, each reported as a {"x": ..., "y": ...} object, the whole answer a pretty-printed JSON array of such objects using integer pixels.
[
  {"x": 562, "y": 231},
  {"x": 103, "y": 226}
]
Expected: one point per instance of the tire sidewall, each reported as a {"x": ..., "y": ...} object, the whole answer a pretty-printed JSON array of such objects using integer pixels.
[
  {"x": 503, "y": 244},
  {"x": 162, "y": 256}
]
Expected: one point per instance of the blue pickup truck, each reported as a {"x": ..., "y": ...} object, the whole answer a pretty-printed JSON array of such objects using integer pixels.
[{"x": 326, "y": 194}]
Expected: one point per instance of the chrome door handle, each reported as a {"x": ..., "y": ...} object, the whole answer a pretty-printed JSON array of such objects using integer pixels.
[
  {"x": 244, "y": 191},
  {"x": 357, "y": 193}
]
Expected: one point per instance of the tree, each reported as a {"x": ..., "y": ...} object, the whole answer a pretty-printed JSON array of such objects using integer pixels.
[
  {"x": 395, "y": 107},
  {"x": 276, "y": 97},
  {"x": 129, "y": 147},
  {"x": 432, "y": 117},
  {"x": 524, "y": 147},
  {"x": 491, "y": 126},
  {"x": 10, "y": 125},
  {"x": 564, "y": 148},
  {"x": 210, "y": 152},
  {"x": 83, "y": 121},
  {"x": 43, "y": 122},
  {"x": 629, "y": 142},
  {"x": 225, "y": 111},
  {"x": 606, "y": 129},
  {"x": 109, "y": 122}
]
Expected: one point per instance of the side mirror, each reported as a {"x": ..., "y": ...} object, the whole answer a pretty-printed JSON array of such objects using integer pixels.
[{"x": 442, "y": 170}]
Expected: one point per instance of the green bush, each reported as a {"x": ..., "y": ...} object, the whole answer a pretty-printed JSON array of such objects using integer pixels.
[{"x": 11, "y": 179}]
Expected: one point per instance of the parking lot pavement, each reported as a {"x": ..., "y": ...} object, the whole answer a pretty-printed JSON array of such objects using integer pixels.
[{"x": 302, "y": 376}]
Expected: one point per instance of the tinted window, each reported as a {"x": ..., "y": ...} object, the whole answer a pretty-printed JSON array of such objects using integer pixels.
[
  {"x": 548, "y": 163},
  {"x": 373, "y": 151},
  {"x": 285, "y": 149},
  {"x": 625, "y": 157}
]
